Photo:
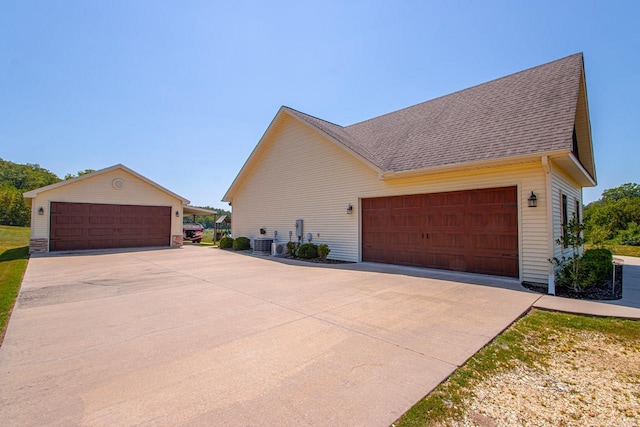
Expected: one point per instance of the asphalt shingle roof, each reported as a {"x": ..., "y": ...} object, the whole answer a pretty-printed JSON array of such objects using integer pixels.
[{"x": 529, "y": 112}]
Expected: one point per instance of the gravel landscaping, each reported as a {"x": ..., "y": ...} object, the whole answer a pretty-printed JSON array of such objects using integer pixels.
[
  {"x": 588, "y": 380},
  {"x": 548, "y": 369}
]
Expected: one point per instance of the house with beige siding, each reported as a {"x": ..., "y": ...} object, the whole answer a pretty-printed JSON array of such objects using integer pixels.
[
  {"x": 480, "y": 180},
  {"x": 114, "y": 207}
]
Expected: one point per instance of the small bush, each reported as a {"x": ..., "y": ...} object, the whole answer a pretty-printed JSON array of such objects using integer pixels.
[
  {"x": 226, "y": 242},
  {"x": 308, "y": 251},
  {"x": 241, "y": 244},
  {"x": 583, "y": 272},
  {"x": 323, "y": 251},
  {"x": 598, "y": 263},
  {"x": 292, "y": 249}
]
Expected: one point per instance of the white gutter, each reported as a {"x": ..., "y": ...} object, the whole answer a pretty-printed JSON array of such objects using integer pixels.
[
  {"x": 546, "y": 166},
  {"x": 390, "y": 174},
  {"x": 582, "y": 169}
]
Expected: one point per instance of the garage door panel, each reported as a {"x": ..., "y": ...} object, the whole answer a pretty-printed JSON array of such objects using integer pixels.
[
  {"x": 499, "y": 265},
  {"x": 447, "y": 240},
  {"x": 69, "y": 233},
  {"x": 76, "y": 226},
  {"x": 133, "y": 232},
  {"x": 445, "y": 200},
  {"x": 69, "y": 244},
  {"x": 95, "y": 209},
  {"x": 101, "y": 232},
  {"x": 375, "y": 238},
  {"x": 407, "y": 258},
  {"x": 446, "y": 261},
  {"x": 128, "y": 220},
  {"x": 494, "y": 242},
  {"x": 101, "y": 220},
  {"x": 68, "y": 220},
  {"x": 475, "y": 230},
  {"x": 402, "y": 239}
]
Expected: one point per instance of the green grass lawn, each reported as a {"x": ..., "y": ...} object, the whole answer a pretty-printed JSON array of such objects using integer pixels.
[
  {"x": 625, "y": 250},
  {"x": 529, "y": 341},
  {"x": 14, "y": 255}
]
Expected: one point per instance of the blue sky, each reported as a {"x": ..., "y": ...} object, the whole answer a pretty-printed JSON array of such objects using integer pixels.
[{"x": 181, "y": 92}]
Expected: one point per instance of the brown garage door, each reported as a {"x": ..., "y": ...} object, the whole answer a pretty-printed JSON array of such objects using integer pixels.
[
  {"x": 101, "y": 226},
  {"x": 474, "y": 231}
]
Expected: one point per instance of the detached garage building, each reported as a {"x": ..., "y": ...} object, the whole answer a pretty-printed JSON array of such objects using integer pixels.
[
  {"x": 110, "y": 208},
  {"x": 480, "y": 181}
]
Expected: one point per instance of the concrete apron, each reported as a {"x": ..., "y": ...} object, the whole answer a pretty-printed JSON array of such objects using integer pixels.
[{"x": 199, "y": 336}]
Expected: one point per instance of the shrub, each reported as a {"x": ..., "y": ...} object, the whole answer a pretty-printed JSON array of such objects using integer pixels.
[
  {"x": 241, "y": 244},
  {"x": 292, "y": 249},
  {"x": 630, "y": 236},
  {"x": 226, "y": 242},
  {"x": 583, "y": 272},
  {"x": 597, "y": 263},
  {"x": 323, "y": 251},
  {"x": 308, "y": 251}
]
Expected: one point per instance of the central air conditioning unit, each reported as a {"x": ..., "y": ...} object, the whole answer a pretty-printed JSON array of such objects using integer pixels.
[{"x": 279, "y": 249}]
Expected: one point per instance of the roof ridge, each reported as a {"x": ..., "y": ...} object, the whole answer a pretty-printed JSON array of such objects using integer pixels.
[
  {"x": 463, "y": 90},
  {"x": 350, "y": 141},
  {"x": 314, "y": 117}
]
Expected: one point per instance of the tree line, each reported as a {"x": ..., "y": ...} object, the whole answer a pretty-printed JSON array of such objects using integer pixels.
[
  {"x": 615, "y": 217},
  {"x": 15, "y": 179}
]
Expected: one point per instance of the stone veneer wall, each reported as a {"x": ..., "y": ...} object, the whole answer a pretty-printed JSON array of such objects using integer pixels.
[
  {"x": 38, "y": 246},
  {"x": 176, "y": 241}
]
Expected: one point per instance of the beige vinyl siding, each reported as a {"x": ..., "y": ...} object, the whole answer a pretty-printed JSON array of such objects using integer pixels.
[
  {"x": 99, "y": 189},
  {"x": 298, "y": 174},
  {"x": 563, "y": 185}
]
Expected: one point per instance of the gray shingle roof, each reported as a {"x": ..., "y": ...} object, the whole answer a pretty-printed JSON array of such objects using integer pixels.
[{"x": 529, "y": 112}]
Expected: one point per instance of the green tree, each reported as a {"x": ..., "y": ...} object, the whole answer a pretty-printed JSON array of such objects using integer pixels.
[
  {"x": 608, "y": 218},
  {"x": 13, "y": 209},
  {"x": 15, "y": 179},
  {"x": 25, "y": 177},
  {"x": 625, "y": 191},
  {"x": 80, "y": 173}
]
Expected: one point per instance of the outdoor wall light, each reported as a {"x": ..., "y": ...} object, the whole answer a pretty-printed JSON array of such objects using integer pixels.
[
  {"x": 177, "y": 214},
  {"x": 349, "y": 209},
  {"x": 533, "y": 200},
  {"x": 41, "y": 211}
]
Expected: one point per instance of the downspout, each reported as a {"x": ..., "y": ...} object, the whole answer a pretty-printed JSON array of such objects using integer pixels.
[{"x": 546, "y": 166}]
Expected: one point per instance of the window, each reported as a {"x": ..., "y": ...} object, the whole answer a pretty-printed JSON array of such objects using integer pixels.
[
  {"x": 565, "y": 219},
  {"x": 577, "y": 210}
]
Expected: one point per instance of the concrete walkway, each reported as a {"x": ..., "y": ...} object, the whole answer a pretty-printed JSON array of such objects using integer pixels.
[{"x": 628, "y": 307}]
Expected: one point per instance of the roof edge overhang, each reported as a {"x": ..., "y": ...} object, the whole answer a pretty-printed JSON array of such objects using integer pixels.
[
  {"x": 591, "y": 166},
  {"x": 192, "y": 210},
  {"x": 338, "y": 143},
  {"x": 228, "y": 196},
  {"x": 482, "y": 164},
  {"x": 574, "y": 168},
  {"x": 254, "y": 153},
  {"x": 32, "y": 194},
  {"x": 563, "y": 158}
]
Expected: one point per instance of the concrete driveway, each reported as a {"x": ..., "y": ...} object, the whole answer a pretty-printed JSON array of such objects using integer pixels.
[{"x": 199, "y": 336}]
